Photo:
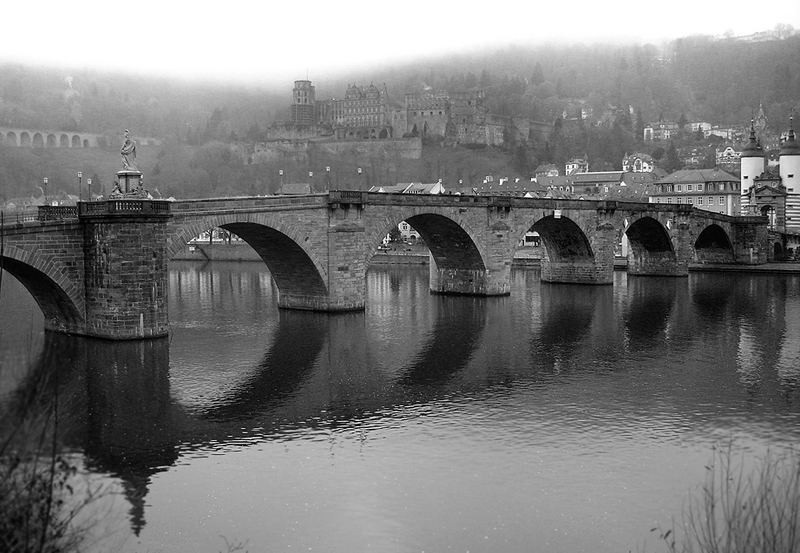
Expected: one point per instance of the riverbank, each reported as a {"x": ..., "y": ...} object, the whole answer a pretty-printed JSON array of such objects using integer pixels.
[
  {"x": 405, "y": 254},
  {"x": 418, "y": 255}
]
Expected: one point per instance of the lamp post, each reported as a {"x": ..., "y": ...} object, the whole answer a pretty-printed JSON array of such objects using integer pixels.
[
  {"x": 89, "y": 186},
  {"x": 44, "y": 184},
  {"x": 280, "y": 172},
  {"x": 80, "y": 190},
  {"x": 328, "y": 177}
]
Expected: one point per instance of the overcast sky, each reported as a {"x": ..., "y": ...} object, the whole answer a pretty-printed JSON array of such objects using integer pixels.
[{"x": 279, "y": 40}]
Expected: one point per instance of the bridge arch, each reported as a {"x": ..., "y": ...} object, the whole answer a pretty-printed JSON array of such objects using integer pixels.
[
  {"x": 450, "y": 240},
  {"x": 38, "y": 141},
  {"x": 650, "y": 248},
  {"x": 24, "y": 138},
  {"x": 51, "y": 140},
  {"x": 564, "y": 241},
  {"x": 284, "y": 248},
  {"x": 11, "y": 137},
  {"x": 63, "y": 141},
  {"x": 713, "y": 246},
  {"x": 461, "y": 264},
  {"x": 76, "y": 141},
  {"x": 59, "y": 298}
]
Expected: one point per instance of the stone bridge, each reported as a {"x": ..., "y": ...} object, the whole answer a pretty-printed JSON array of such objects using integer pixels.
[{"x": 101, "y": 269}]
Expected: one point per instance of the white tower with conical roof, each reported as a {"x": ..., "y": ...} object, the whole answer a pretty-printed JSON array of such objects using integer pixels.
[
  {"x": 790, "y": 177},
  {"x": 752, "y": 164}
]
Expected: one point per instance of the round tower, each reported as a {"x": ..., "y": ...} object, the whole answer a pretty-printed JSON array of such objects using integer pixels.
[
  {"x": 751, "y": 164},
  {"x": 790, "y": 177}
]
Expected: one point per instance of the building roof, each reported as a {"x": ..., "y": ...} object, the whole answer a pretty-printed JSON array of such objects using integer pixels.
[
  {"x": 409, "y": 188},
  {"x": 423, "y": 188},
  {"x": 753, "y": 147},
  {"x": 604, "y": 177},
  {"x": 790, "y": 147},
  {"x": 390, "y": 188},
  {"x": 692, "y": 176},
  {"x": 295, "y": 188}
]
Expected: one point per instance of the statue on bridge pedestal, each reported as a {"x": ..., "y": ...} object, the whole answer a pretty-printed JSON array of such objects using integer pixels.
[
  {"x": 128, "y": 152},
  {"x": 129, "y": 179}
]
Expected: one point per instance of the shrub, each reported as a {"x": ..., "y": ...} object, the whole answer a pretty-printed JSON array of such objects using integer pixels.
[{"x": 739, "y": 511}]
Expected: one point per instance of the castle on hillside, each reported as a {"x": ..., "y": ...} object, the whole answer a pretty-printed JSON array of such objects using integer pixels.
[{"x": 368, "y": 112}]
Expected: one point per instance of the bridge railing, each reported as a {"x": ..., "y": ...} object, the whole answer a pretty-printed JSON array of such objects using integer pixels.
[
  {"x": 246, "y": 203},
  {"x": 57, "y": 212},
  {"x": 17, "y": 216},
  {"x": 124, "y": 206}
]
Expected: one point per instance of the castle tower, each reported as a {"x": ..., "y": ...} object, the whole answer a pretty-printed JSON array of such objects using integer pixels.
[
  {"x": 790, "y": 177},
  {"x": 302, "y": 108},
  {"x": 752, "y": 164}
]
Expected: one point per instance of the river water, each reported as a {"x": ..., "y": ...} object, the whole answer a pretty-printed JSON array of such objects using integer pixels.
[{"x": 559, "y": 419}]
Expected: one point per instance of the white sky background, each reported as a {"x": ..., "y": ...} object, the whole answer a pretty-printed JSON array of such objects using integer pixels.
[{"x": 278, "y": 41}]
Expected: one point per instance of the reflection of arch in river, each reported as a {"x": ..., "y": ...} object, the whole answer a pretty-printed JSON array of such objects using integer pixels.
[
  {"x": 647, "y": 314},
  {"x": 710, "y": 296},
  {"x": 450, "y": 343},
  {"x": 566, "y": 326},
  {"x": 297, "y": 344}
]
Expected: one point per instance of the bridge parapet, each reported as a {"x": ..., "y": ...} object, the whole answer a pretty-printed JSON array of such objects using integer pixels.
[
  {"x": 57, "y": 212},
  {"x": 124, "y": 208},
  {"x": 217, "y": 206}
]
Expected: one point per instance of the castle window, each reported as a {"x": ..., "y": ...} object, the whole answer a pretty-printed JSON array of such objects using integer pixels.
[
  {"x": 677, "y": 188},
  {"x": 699, "y": 187},
  {"x": 721, "y": 200},
  {"x": 688, "y": 187}
]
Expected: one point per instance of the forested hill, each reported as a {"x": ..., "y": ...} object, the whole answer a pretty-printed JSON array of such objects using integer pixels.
[
  {"x": 720, "y": 81},
  {"x": 698, "y": 78}
]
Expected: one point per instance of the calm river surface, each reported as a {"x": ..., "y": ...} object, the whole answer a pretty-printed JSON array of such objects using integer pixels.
[{"x": 559, "y": 419}]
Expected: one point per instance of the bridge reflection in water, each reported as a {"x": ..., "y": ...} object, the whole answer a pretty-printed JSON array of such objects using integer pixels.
[{"x": 645, "y": 366}]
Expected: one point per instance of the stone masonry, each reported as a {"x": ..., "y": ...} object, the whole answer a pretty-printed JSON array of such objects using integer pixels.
[{"x": 102, "y": 270}]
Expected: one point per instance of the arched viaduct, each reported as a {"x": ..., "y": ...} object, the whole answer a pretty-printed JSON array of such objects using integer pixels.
[
  {"x": 38, "y": 138},
  {"x": 102, "y": 270}
]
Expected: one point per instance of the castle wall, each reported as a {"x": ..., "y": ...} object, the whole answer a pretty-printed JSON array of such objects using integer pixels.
[{"x": 300, "y": 150}]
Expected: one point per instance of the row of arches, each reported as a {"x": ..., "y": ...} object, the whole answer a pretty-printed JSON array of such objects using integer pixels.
[
  {"x": 301, "y": 271},
  {"x": 45, "y": 140}
]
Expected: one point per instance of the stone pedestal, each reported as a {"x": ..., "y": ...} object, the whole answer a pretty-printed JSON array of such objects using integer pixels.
[{"x": 130, "y": 183}]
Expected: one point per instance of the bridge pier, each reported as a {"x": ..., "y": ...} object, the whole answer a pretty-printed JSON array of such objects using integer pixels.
[
  {"x": 125, "y": 262},
  {"x": 468, "y": 282}
]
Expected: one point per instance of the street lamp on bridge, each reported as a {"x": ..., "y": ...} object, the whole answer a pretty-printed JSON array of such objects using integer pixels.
[
  {"x": 44, "y": 189},
  {"x": 80, "y": 190},
  {"x": 89, "y": 185}
]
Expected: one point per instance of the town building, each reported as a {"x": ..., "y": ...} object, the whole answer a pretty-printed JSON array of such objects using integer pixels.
[
  {"x": 546, "y": 170},
  {"x": 638, "y": 162},
  {"x": 577, "y": 165},
  {"x": 709, "y": 189},
  {"x": 695, "y": 126},
  {"x": 660, "y": 130},
  {"x": 728, "y": 158}
]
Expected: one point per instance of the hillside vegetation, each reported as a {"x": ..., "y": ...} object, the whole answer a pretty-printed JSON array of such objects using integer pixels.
[{"x": 693, "y": 78}]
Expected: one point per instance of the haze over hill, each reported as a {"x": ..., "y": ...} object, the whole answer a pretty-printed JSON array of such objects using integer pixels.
[{"x": 716, "y": 79}]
